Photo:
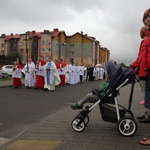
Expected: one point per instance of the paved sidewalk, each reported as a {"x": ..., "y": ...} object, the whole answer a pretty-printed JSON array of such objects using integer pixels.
[
  {"x": 8, "y": 83},
  {"x": 5, "y": 83},
  {"x": 55, "y": 132}
]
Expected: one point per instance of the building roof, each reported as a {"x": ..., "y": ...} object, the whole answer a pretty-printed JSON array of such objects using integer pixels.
[
  {"x": 85, "y": 35},
  {"x": 8, "y": 37}
]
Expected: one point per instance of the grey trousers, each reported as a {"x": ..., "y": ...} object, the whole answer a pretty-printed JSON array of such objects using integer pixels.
[
  {"x": 90, "y": 98},
  {"x": 147, "y": 97}
]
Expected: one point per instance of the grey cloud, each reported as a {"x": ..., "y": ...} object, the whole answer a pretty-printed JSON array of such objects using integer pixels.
[{"x": 114, "y": 23}]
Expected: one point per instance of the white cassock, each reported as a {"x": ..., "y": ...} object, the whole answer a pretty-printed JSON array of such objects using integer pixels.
[
  {"x": 51, "y": 76},
  {"x": 17, "y": 73},
  {"x": 40, "y": 70},
  {"x": 101, "y": 73},
  {"x": 81, "y": 71},
  {"x": 77, "y": 74},
  {"x": 73, "y": 75},
  {"x": 68, "y": 73},
  {"x": 96, "y": 73},
  {"x": 30, "y": 74}
]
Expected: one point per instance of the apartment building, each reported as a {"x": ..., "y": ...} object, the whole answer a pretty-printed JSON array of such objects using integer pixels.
[
  {"x": 2, "y": 44},
  {"x": 77, "y": 48},
  {"x": 104, "y": 55}
]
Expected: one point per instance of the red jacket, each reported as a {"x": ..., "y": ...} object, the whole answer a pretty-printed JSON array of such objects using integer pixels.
[{"x": 143, "y": 60}]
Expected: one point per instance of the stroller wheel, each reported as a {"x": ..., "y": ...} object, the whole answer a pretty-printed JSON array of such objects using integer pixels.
[
  {"x": 127, "y": 126},
  {"x": 78, "y": 125},
  {"x": 86, "y": 120}
]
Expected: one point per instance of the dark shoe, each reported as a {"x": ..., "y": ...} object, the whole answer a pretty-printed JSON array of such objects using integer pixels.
[
  {"x": 145, "y": 120},
  {"x": 76, "y": 106},
  {"x": 141, "y": 117},
  {"x": 35, "y": 88}
]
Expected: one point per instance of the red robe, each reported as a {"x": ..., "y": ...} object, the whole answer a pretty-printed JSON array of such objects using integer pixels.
[
  {"x": 62, "y": 75},
  {"x": 40, "y": 78},
  {"x": 17, "y": 80}
]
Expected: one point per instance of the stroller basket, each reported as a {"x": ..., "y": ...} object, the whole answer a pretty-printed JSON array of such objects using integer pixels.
[{"x": 108, "y": 112}]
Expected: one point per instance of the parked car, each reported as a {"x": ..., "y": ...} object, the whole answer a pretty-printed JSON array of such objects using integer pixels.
[
  {"x": 3, "y": 74},
  {"x": 9, "y": 70}
]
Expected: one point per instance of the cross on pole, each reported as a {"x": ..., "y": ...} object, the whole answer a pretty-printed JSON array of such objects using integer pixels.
[{"x": 26, "y": 50}]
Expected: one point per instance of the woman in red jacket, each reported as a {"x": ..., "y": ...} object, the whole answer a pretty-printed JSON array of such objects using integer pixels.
[
  {"x": 142, "y": 65},
  {"x": 143, "y": 33}
]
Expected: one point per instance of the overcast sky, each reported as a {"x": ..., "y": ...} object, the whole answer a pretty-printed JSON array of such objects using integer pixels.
[{"x": 114, "y": 23}]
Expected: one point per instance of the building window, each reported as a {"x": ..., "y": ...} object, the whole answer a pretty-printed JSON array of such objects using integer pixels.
[
  {"x": 2, "y": 52},
  {"x": 21, "y": 43},
  {"x": 22, "y": 36},
  {"x": 42, "y": 50},
  {"x": 72, "y": 60},
  {"x": 48, "y": 50},
  {"x": 71, "y": 39},
  {"x": 48, "y": 42},
  {"x": 21, "y": 50},
  {"x": 2, "y": 45},
  {"x": 42, "y": 42},
  {"x": 47, "y": 57},
  {"x": 71, "y": 53},
  {"x": 35, "y": 43},
  {"x": 72, "y": 45}
]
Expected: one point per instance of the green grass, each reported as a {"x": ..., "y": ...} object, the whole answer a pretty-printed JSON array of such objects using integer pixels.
[{"x": 6, "y": 78}]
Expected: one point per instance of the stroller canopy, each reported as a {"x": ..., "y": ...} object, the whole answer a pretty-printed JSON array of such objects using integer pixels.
[{"x": 117, "y": 75}]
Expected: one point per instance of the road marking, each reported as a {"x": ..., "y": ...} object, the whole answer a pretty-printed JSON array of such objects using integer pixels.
[
  {"x": 3, "y": 141},
  {"x": 33, "y": 145}
]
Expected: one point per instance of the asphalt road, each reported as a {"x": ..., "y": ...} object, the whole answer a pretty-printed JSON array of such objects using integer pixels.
[{"x": 22, "y": 108}]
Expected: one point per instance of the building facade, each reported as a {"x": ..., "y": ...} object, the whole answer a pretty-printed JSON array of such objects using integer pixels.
[{"x": 77, "y": 48}]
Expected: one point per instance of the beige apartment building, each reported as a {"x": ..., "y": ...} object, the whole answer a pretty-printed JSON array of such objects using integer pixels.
[{"x": 77, "y": 48}]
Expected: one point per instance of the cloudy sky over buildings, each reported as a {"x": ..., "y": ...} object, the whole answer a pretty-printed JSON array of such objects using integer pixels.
[{"x": 114, "y": 23}]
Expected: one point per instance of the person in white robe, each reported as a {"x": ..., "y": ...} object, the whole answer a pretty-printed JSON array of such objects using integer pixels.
[
  {"x": 101, "y": 73},
  {"x": 95, "y": 73},
  {"x": 81, "y": 72},
  {"x": 73, "y": 75},
  {"x": 51, "y": 76},
  {"x": 29, "y": 69},
  {"x": 77, "y": 73},
  {"x": 68, "y": 73}
]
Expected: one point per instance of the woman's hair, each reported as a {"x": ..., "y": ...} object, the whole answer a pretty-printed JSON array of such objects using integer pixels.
[
  {"x": 146, "y": 13},
  {"x": 143, "y": 32}
]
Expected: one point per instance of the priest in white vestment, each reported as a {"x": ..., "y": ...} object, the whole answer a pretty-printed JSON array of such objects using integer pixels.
[
  {"x": 68, "y": 72},
  {"x": 51, "y": 75},
  {"x": 29, "y": 69}
]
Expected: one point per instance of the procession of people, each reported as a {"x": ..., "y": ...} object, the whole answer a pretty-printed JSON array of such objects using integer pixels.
[{"x": 48, "y": 74}]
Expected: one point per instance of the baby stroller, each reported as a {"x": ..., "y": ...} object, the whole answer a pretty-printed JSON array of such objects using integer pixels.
[{"x": 110, "y": 110}]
